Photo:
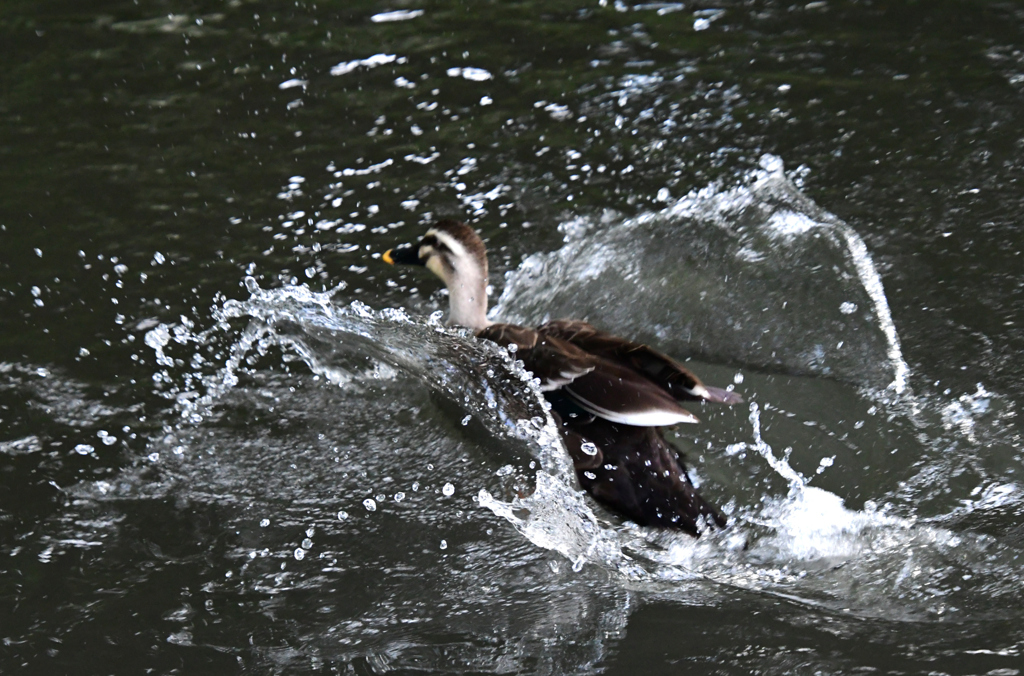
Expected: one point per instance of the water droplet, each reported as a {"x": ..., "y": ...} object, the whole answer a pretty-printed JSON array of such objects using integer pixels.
[
  {"x": 84, "y": 449},
  {"x": 415, "y": 486},
  {"x": 444, "y": 544},
  {"x": 370, "y": 505},
  {"x": 399, "y": 496},
  {"x": 588, "y": 448},
  {"x": 465, "y": 421},
  {"x": 159, "y": 337},
  {"x": 264, "y": 523},
  {"x": 738, "y": 378},
  {"x": 307, "y": 544},
  {"x": 342, "y": 515},
  {"x": 448, "y": 490},
  {"x": 848, "y": 308},
  {"x": 310, "y": 532},
  {"x": 300, "y": 554},
  {"x": 825, "y": 464},
  {"x": 250, "y": 285}
]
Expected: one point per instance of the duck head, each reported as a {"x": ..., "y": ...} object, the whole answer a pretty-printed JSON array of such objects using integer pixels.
[{"x": 455, "y": 253}]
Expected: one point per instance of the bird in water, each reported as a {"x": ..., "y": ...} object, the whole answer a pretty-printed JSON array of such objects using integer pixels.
[{"x": 610, "y": 397}]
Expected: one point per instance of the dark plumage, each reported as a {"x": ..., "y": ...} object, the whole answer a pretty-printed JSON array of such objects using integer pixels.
[{"x": 610, "y": 396}]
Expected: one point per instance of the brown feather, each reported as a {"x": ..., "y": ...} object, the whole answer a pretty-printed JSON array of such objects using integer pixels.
[
  {"x": 675, "y": 378},
  {"x": 617, "y": 393},
  {"x": 555, "y": 362},
  {"x": 601, "y": 386}
]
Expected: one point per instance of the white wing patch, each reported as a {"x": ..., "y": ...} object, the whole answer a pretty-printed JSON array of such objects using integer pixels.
[
  {"x": 652, "y": 417},
  {"x": 564, "y": 378}
]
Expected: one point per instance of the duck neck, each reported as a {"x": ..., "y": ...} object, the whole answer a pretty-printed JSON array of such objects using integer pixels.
[{"x": 467, "y": 297}]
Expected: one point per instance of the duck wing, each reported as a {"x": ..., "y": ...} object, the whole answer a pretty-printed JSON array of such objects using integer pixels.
[
  {"x": 608, "y": 416},
  {"x": 636, "y": 472},
  {"x": 552, "y": 360},
  {"x": 600, "y": 386},
  {"x": 669, "y": 374}
]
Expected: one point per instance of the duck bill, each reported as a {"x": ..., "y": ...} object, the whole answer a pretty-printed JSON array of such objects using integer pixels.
[{"x": 404, "y": 254}]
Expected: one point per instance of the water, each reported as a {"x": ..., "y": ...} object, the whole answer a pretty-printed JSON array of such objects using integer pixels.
[{"x": 234, "y": 441}]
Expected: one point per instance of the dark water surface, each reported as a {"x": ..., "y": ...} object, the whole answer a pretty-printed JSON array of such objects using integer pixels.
[{"x": 233, "y": 441}]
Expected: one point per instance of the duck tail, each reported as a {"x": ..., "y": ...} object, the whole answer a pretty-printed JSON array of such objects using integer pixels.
[{"x": 720, "y": 396}]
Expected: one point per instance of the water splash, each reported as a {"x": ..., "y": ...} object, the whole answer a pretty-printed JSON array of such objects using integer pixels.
[
  {"x": 345, "y": 345},
  {"x": 755, "y": 274}
]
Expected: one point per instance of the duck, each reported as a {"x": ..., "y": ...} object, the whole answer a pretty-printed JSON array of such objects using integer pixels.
[{"x": 611, "y": 398}]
